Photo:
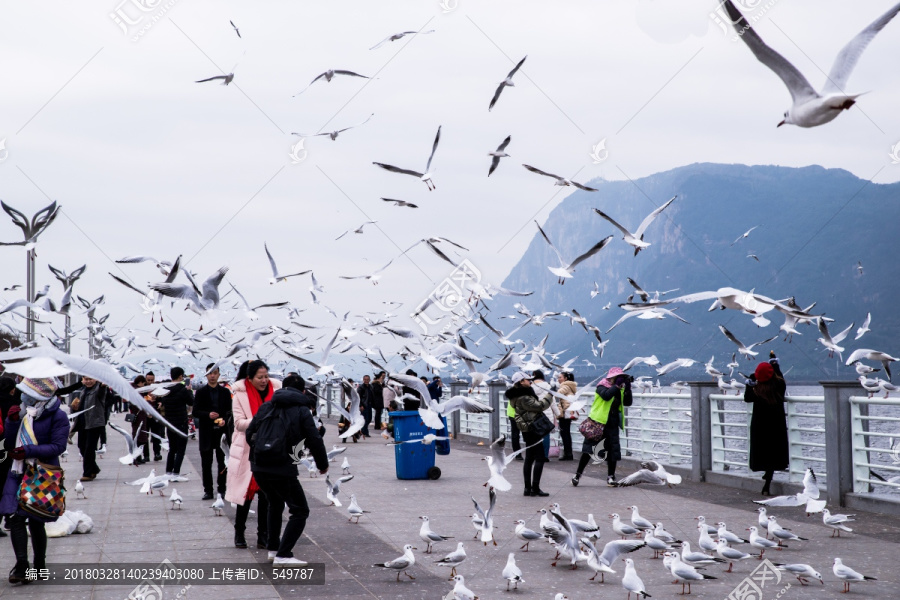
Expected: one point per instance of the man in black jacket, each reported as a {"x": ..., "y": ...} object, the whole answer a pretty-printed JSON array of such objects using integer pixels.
[
  {"x": 288, "y": 416},
  {"x": 212, "y": 415},
  {"x": 92, "y": 397},
  {"x": 378, "y": 398},
  {"x": 366, "y": 399},
  {"x": 175, "y": 404}
]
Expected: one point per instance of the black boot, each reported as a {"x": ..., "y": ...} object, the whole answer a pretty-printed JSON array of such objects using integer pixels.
[
  {"x": 19, "y": 537},
  {"x": 767, "y": 477},
  {"x": 239, "y": 541},
  {"x": 536, "y": 480}
]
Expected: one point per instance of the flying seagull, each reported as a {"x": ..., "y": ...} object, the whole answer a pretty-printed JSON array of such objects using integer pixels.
[
  {"x": 561, "y": 181},
  {"x": 745, "y": 350},
  {"x": 203, "y": 299},
  {"x": 333, "y": 134},
  {"x": 357, "y": 230},
  {"x": 564, "y": 270},
  {"x": 226, "y": 79},
  {"x": 329, "y": 75},
  {"x": 400, "y": 202},
  {"x": 810, "y": 108},
  {"x": 426, "y": 176},
  {"x": 498, "y": 154},
  {"x": 276, "y": 276},
  {"x": 236, "y": 30},
  {"x": 397, "y": 36},
  {"x": 506, "y": 82},
  {"x": 743, "y": 235},
  {"x": 636, "y": 239}
]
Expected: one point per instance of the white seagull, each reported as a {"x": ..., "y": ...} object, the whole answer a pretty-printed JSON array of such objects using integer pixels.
[
  {"x": 218, "y": 506},
  {"x": 396, "y": 36},
  {"x": 354, "y": 509},
  {"x": 498, "y": 154},
  {"x": 334, "y": 134},
  {"x": 332, "y": 489},
  {"x": 402, "y": 563},
  {"x": 861, "y": 331},
  {"x": 565, "y": 269},
  {"x": 430, "y": 537},
  {"x": 426, "y": 176},
  {"x": 454, "y": 559},
  {"x": 560, "y": 181},
  {"x": 743, "y": 235},
  {"x": 512, "y": 573},
  {"x": 745, "y": 350},
  {"x": 866, "y": 353},
  {"x": 527, "y": 535},
  {"x": 809, "y": 107},
  {"x": 685, "y": 573},
  {"x": 636, "y": 239},
  {"x": 506, "y": 82},
  {"x": 836, "y": 522},
  {"x": 845, "y": 573},
  {"x": 329, "y": 75},
  {"x": 276, "y": 276},
  {"x": 803, "y": 572},
  {"x": 176, "y": 499},
  {"x": 632, "y": 583}
]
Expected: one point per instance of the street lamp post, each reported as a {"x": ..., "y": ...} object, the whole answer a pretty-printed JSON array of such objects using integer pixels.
[
  {"x": 68, "y": 282},
  {"x": 32, "y": 229}
]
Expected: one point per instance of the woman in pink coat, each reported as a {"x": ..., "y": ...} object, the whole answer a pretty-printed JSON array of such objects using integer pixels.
[{"x": 252, "y": 388}]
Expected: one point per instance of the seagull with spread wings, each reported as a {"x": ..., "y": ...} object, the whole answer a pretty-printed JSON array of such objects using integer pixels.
[
  {"x": 497, "y": 154},
  {"x": 636, "y": 239},
  {"x": 810, "y": 108},
  {"x": 276, "y": 276},
  {"x": 397, "y": 36},
  {"x": 560, "y": 181},
  {"x": 334, "y": 134},
  {"x": 506, "y": 82},
  {"x": 426, "y": 176},
  {"x": 329, "y": 75},
  {"x": 564, "y": 270},
  {"x": 745, "y": 350}
]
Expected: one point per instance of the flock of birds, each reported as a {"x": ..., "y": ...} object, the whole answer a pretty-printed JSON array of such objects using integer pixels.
[{"x": 576, "y": 542}]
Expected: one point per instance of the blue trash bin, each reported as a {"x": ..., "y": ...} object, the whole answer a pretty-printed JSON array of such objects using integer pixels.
[{"x": 414, "y": 461}]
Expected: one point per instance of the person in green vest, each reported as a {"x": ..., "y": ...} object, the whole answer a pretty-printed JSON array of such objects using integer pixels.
[{"x": 613, "y": 394}]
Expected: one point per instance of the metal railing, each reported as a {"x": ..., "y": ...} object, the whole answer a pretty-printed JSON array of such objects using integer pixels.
[
  {"x": 875, "y": 427},
  {"x": 657, "y": 426},
  {"x": 730, "y": 434}
]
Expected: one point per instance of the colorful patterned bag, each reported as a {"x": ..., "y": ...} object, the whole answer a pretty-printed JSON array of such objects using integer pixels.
[
  {"x": 42, "y": 492},
  {"x": 591, "y": 430}
]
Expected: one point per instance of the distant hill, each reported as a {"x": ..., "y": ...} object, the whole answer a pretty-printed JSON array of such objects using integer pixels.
[{"x": 814, "y": 224}]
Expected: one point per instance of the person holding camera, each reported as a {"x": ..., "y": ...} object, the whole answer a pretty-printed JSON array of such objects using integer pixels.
[
  {"x": 534, "y": 425},
  {"x": 607, "y": 416},
  {"x": 768, "y": 426}
]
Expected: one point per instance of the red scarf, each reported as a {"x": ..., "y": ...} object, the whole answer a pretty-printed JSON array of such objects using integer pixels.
[{"x": 255, "y": 402}]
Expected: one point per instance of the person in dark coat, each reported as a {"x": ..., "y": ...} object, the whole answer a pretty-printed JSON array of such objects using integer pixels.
[
  {"x": 768, "y": 425},
  {"x": 139, "y": 424},
  {"x": 277, "y": 477},
  {"x": 366, "y": 402},
  {"x": 9, "y": 397},
  {"x": 436, "y": 388},
  {"x": 529, "y": 407},
  {"x": 212, "y": 414},
  {"x": 92, "y": 397},
  {"x": 175, "y": 404},
  {"x": 613, "y": 394},
  {"x": 50, "y": 427},
  {"x": 378, "y": 398}
]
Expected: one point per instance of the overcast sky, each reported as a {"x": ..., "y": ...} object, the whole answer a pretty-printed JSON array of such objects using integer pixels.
[{"x": 110, "y": 123}]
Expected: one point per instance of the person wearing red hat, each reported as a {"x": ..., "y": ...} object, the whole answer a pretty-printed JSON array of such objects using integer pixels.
[{"x": 768, "y": 426}]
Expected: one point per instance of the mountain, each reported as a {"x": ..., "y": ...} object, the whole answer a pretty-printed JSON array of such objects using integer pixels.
[{"x": 813, "y": 226}]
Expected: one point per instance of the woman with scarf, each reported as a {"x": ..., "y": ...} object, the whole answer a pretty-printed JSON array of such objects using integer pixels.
[
  {"x": 252, "y": 388},
  {"x": 36, "y": 430},
  {"x": 613, "y": 395},
  {"x": 768, "y": 427}
]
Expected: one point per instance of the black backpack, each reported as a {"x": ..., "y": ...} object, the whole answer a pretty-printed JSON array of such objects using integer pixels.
[{"x": 271, "y": 443}]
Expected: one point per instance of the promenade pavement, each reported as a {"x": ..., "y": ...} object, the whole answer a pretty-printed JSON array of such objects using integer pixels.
[{"x": 130, "y": 527}]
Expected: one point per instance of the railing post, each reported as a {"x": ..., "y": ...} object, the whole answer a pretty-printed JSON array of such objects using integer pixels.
[
  {"x": 456, "y": 389},
  {"x": 495, "y": 388},
  {"x": 838, "y": 439},
  {"x": 701, "y": 429}
]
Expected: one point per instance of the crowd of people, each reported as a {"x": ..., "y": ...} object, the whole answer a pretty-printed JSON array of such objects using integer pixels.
[{"x": 254, "y": 426}]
